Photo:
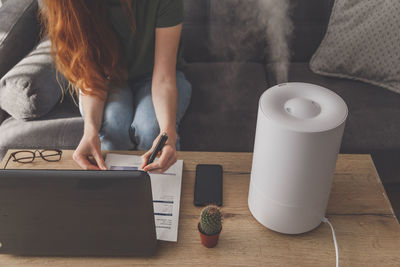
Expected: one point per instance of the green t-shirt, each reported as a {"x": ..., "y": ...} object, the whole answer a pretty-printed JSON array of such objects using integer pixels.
[{"x": 138, "y": 50}]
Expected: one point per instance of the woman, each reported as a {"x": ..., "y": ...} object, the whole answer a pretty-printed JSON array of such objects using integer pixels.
[{"x": 124, "y": 58}]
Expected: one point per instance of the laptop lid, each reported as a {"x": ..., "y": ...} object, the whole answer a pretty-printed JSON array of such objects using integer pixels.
[{"x": 76, "y": 212}]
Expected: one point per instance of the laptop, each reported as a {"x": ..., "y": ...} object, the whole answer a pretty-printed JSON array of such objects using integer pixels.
[{"x": 76, "y": 213}]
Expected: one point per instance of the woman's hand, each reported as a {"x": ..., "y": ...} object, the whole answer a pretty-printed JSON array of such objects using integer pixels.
[
  {"x": 89, "y": 147},
  {"x": 167, "y": 156}
]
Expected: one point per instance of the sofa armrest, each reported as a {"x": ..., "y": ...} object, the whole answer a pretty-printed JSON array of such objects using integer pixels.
[{"x": 19, "y": 31}]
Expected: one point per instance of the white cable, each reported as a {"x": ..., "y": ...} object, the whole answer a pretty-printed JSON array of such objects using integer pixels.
[{"x": 325, "y": 220}]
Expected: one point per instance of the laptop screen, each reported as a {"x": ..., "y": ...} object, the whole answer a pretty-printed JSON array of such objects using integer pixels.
[{"x": 76, "y": 212}]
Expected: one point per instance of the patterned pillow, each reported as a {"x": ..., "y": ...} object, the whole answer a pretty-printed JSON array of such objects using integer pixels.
[{"x": 362, "y": 43}]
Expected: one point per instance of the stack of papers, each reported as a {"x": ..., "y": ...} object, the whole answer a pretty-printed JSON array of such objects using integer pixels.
[{"x": 166, "y": 189}]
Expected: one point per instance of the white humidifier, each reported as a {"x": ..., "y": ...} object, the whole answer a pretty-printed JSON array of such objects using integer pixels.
[{"x": 298, "y": 136}]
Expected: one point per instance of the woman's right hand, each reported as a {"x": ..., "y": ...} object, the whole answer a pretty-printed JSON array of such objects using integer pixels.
[{"x": 89, "y": 147}]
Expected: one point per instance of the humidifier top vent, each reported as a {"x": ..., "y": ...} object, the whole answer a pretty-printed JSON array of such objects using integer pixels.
[{"x": 303, "y": 107}]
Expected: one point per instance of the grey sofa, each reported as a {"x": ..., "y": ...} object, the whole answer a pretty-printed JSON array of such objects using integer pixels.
[{"x": 227, "y": 84}]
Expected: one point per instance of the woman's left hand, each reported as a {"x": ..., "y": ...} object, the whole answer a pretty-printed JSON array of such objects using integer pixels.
[{"x": 167, "y": 157}]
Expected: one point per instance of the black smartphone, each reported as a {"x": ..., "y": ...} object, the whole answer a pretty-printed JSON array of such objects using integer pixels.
[{"x": 208, "y": 185}]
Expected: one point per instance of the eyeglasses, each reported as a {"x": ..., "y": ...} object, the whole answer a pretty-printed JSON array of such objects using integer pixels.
[{"x": 27, "y": 156}]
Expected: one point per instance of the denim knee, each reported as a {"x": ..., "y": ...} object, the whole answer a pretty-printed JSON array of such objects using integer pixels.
[
  {"x": 115, "y": 136},
  {"x": 117, "y": 118},
  {"x": 144, "y": 133}
]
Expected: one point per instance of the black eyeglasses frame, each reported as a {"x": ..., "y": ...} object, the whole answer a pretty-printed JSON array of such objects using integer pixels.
[{"x": 33, "y": 157}]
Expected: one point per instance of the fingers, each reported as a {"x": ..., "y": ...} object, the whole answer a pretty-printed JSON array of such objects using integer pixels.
[
  {"x": 167, "y": 159},
  {"x": 170, "y": 163},
  {"x": 99, "y": 160},
  {"x": 145, "y": 158},
  {"x": 89, "y": 147},
  {"x": 158, "y": 165},
  {"x": 84, "y": 163}
]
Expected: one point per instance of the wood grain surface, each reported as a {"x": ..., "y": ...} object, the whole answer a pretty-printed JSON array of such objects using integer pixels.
[{"x": 367, "y": 231}]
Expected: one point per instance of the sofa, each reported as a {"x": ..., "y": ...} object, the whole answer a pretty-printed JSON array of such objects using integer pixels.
[{"x": 228, "y": 73}]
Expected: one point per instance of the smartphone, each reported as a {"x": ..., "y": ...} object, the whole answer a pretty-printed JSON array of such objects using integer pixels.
[{"x": 208, "y": 185}]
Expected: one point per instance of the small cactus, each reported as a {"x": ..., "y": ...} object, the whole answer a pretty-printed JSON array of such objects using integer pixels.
[{"x": 210, "y": 220}]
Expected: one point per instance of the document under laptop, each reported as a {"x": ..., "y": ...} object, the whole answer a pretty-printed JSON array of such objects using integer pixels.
[{"x": 166, "y": 190}]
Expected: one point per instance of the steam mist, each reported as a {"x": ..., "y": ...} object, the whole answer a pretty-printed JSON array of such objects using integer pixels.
[
  {"x": 255, "y": 28},
  {"x": 279, "y": 28}
]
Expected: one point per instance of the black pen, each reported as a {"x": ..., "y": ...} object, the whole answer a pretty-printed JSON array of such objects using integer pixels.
[{"x": 159, "y": 146}]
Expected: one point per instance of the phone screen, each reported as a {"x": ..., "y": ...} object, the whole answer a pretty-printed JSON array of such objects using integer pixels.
[{"x": 208, "y": 185}]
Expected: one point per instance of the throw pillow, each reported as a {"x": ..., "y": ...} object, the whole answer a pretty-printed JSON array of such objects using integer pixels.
[
  {"x": 362, "y": 43},
  {"x": 19, "y": 31},
  {"x": 32, "y": 87}
]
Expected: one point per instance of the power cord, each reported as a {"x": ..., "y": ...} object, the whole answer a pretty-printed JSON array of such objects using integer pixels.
[{"x": 325, "y": 220}]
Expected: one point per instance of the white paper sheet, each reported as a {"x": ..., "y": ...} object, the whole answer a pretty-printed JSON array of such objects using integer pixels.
[{"x": 166, "y": 189}]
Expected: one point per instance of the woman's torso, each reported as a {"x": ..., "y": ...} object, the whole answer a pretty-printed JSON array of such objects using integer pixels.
[{"x": 138, "y": 51}]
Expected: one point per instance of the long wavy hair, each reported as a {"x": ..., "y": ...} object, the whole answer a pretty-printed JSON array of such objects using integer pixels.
[{"x": 84, "y": 45}]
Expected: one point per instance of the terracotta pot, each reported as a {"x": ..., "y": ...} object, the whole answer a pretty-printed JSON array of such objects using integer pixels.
[{"x": 209, "y": 241}]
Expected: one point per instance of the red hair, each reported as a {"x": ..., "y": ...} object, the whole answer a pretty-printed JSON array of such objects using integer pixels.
[{"x": 84, "y": 45}]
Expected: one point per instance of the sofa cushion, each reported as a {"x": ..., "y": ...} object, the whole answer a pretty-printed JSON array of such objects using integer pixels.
[
  {"x": 32, "y": 87},
  {"x": 212, "y": 28},
  {"x": 374, "y": 114},
  {"x": 362, "y": 43},
  {"x": 237, "y": 31},
  {"x": 195, "y": 31},
  {"x": 19, "y": 32},
  {"x": 221, "y": 30},
  {"x": 310, "y": 19},
  {"x": 223, "y": 110},
  {"x": 62, "y": 129}
]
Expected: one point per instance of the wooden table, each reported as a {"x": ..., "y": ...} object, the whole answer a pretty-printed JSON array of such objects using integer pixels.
[{"x": 367, "y": 231}]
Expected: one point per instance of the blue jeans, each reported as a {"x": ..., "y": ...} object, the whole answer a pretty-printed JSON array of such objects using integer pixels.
[{"x": 129, "y": 120}]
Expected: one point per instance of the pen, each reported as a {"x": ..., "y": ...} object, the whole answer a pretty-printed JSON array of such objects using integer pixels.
[{"x": 159, "y": 146}]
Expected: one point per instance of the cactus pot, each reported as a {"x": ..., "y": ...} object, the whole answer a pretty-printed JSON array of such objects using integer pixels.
[{"x": 208, "y": 241}]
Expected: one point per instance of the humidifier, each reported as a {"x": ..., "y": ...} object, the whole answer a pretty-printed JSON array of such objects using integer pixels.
[{"x": 298, "y": 136}]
